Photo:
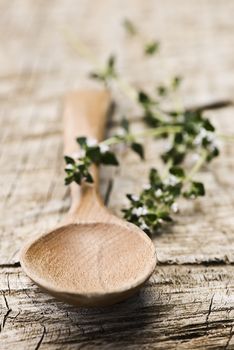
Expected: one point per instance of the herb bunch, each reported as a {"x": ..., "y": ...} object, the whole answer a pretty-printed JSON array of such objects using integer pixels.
[
  {"x": 91, "y": 152},
  {"x": 189, "y": 136},
  {"x": 157, "y": 201},
  {"x": 195, "y": 133}
]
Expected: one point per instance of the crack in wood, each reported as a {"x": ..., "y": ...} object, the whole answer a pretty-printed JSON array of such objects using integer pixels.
[
  {"x": 41, "y": 338},
  {"x": 8, "y": 311},
  {"x": 5, "y": 300},
  {"x": 10, "y": 265},
  {"x": 5, "y": 317},
  {"x": 209, "y": 310},
  {"x": 199, "y": 330},
  {"x": 8, "y": 283},
  {"x": 229, "y": 338},
  {"x": 13, "y": 318},
  {"x": 208, "y": 262}
]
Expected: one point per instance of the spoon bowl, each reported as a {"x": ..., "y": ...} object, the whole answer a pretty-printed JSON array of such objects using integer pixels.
[
  {"x": 93, "y": 258},
  {"x": 90, "y": 264}
]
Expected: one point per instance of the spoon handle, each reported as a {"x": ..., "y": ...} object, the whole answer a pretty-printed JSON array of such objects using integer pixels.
[{"x": 85, "y": 114}]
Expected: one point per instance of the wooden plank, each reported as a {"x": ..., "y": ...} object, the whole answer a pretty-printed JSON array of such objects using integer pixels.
[
  {"x": 184, "y": 305},
  {"x": 188, "y": 307}
]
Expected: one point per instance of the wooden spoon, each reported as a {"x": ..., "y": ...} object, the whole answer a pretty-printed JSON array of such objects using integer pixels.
[{"x": 94, "y": 258}]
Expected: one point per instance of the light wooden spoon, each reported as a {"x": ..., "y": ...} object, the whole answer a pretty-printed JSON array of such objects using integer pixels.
[{"x": 94, "y": 258}]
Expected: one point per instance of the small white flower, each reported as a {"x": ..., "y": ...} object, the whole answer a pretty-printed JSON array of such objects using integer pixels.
[
  {"x": 69, "y": 167},
  {"x": 146, "y": 187},
  {"x": 144, "y": 211},
  {"x": 141, "y": 220},
  {"x": 142, "y": 223},
  {"x": 158, "y": 193},
  {"x": 135, "y": 211},
  {"x": 140, "y": 211},
  {"x": 160, "y": 221},
  {"x": 174, "y": 207},
  {"x": 135, "y": 198},
  {"x": 171, "y": 180},
  {"x": 104, "y": 148},
  {"x": 198, "y": 139},
  {"x": 91, "y": 142},
  {"x": 143, "y": 226},
  {"x": 203, "y": 132}
]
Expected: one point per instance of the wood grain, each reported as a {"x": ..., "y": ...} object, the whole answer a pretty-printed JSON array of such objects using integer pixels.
[
  {"x": 189, "y": 307},
  {"x": 37, "y": 67}
]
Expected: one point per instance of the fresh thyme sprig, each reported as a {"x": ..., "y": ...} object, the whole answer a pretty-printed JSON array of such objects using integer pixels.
[
  {"x": 189, "y": 135},
  {"x": 157, "y": 201},
  {"x": 78, "y": 165},
  {"x": 196, "y": 133},
  {"x": 91, "y": 152}
]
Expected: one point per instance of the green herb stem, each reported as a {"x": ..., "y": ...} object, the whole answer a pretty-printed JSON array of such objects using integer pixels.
[
  {"x": 170, "y": 129},
  {"x": 86, "y": 53},
  {"x": 197, "y": 166},
  {"x": 226, "y": 137},
  {"x": 149, "y": 132}
]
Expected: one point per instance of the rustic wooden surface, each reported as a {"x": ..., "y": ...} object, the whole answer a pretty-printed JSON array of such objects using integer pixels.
[{"x": 189, "y": 301}]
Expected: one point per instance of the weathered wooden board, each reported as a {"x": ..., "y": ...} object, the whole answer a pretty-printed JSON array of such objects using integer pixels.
[
  {"x": 183, "y": 306},
  {"x": 187, "y": 307}
]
